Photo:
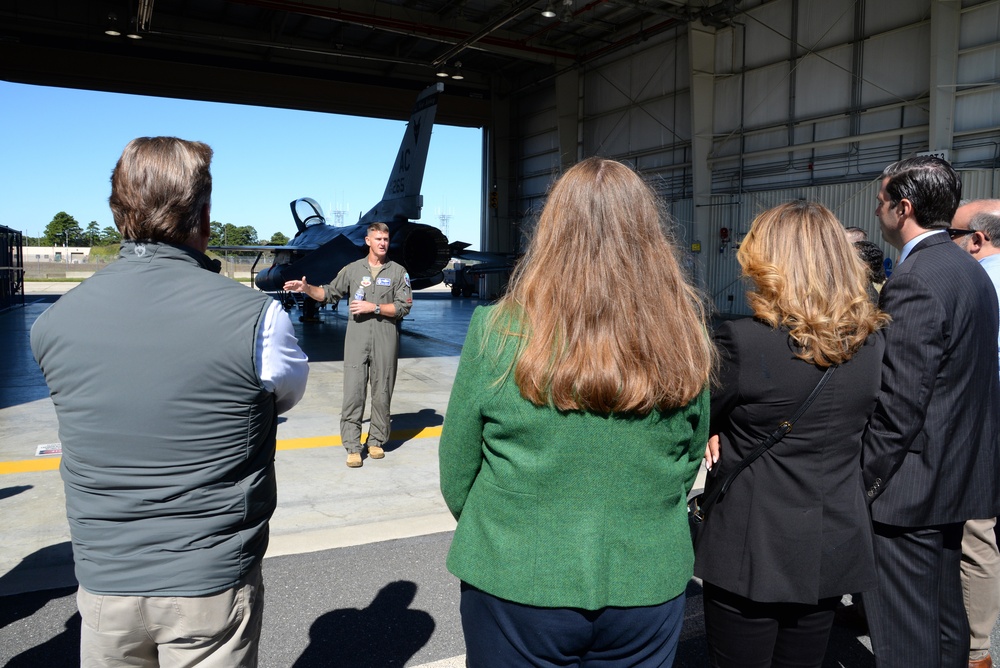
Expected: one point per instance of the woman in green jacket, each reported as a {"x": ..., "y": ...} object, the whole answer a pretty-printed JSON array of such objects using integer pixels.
[{"x": 577, "y": 421}]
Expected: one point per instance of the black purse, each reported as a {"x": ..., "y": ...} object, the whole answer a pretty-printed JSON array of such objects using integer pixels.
[{"x": 700, "y": 504}]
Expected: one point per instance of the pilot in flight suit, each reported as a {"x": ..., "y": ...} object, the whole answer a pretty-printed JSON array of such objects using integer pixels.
[
  {"x": 380, "y": 296},
  {"x": 371, "y": 347}
]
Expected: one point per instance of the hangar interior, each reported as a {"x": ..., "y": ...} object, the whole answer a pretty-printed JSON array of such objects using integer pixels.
[{"x": 726, "y": 107}]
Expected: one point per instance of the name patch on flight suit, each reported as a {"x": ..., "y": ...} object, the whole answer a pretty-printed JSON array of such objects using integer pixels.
[{"x": 383, "y": 281}]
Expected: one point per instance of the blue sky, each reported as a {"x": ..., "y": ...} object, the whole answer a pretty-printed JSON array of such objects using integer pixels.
[{"x": 59, "y": 146}]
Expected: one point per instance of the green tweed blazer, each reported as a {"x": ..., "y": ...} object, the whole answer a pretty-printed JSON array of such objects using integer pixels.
[{"x": 565, "y": 508}]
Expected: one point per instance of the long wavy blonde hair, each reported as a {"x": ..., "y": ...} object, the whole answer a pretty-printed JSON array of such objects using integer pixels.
[
  {"x": 603, "y": 318},
  {"x": 811, "y": 280}
]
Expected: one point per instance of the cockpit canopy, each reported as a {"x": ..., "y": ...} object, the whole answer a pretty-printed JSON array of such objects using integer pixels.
[{"x": 307, "y": 212}]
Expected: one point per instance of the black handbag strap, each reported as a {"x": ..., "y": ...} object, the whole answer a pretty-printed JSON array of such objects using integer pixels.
[{"x": 766, "y": 443}]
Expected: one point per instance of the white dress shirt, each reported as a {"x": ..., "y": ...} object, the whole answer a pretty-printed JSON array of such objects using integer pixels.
[
  {"x": 282, "y": 366},
  {"x": 913, "y": 242}
]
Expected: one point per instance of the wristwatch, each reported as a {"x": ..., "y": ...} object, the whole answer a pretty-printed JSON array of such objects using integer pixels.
[{"x": 378, "y": 309}]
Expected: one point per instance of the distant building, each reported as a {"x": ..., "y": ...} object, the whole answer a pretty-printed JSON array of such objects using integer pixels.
[{"x": 64, "y": 254}]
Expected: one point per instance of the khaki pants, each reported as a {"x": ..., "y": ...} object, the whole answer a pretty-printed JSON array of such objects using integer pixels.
[
  {"x": 216, "y": 631},
  {"x": 980, "y": 582}
]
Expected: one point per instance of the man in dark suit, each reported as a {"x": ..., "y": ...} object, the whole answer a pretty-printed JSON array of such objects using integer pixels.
[{"x": 929, "y": 453}]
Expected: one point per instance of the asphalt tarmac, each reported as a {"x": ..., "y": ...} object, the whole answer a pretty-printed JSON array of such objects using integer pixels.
[{"x": 354, "y": 574}]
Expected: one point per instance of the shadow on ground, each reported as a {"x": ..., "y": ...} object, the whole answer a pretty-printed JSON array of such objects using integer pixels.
[{"x": 387, "y": 633}]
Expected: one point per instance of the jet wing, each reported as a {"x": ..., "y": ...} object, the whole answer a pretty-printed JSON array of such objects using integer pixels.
[
  {"x": 319, "y": 266},
  {"x": 459, "y": 252},
  {"x": 263, "y": 249}
]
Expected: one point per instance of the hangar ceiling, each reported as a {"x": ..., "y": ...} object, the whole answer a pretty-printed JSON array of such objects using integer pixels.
[{"x": 361, "y": 57}]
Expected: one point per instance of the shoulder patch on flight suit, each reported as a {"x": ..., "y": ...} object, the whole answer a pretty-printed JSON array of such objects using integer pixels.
[
  {"x": 383, "y": 281},
  {"x": 406, "y": 278}
]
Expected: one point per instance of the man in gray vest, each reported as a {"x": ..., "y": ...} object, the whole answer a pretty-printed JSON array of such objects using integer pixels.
[
  {"x": 167, "y": 380},
  {"x": 380, "y": 299}
]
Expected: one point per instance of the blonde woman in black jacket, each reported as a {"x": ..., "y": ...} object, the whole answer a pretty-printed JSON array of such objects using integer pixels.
[{"x": 792, "y": 533}]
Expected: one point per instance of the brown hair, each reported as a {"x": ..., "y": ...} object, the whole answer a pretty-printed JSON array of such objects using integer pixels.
[
  {"x": 377, "y": 227},
  {"x": 809, "y": 279},
  {"x": 603, "y": 317},
  {"x": 159, "y": 187}
]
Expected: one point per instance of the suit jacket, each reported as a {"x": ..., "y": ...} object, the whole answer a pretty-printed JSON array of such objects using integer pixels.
[
  {"x": 930, "y": 448},
  {"x": 794, "y": 526}
]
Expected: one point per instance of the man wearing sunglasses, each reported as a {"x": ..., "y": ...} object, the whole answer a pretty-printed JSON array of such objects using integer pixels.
[{"x": 976, "y": 228}]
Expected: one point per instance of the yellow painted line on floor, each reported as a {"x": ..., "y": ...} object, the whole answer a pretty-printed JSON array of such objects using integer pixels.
[
  {"x": 335, "y": 441},
  {"x": 30, "y": 465},
  {"x": 310, "y": 442},
  {"x": 52, "y": 463}
]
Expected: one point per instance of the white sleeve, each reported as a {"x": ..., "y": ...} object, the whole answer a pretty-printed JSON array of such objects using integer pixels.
[{"x": 283, "y": 366}]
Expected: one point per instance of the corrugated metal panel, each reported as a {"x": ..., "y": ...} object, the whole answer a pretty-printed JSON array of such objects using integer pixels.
[
  {"x": 682, "y": 215},
  {"x": 887, "y": 76},
  {"x": 977, "y": 107},
  {"x": 636, "y": 108},
  {"x": 888, "y": 14},
  {"x": 981, "y": 184},
  {"x": 635, "y": 105},
  {"x": 683, "y": 230},
  {"x": 767, "y": 33},
  {"x": 825, "y": 24},
  {"x": 724, "y": 282},
  {"x": 852, "y": 203},
  {"x": 823, "y": 82},
  {"x": 538, "y": 151}
]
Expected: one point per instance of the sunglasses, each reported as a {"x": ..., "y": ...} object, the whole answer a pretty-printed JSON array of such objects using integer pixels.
[{"x": 954, "y": 233}]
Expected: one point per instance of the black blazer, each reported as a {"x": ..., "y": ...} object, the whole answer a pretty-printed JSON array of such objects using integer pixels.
[
  {"x": 930, "y": 449},
  {"x": 794, "y": 526}
]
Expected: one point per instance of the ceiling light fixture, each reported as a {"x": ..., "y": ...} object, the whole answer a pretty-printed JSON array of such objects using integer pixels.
[
  {"x": 457, "y": 74},
  {"x": 112, "y": 25},
  {"x": 133, "y": 31},
  {"x": 443, "y": 72},
  {"x": 550, "y": 10},
  {"x": 567, "y": 11}
]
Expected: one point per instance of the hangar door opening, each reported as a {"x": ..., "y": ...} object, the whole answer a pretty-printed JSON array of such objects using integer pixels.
[{"x": 61, "y": 145}]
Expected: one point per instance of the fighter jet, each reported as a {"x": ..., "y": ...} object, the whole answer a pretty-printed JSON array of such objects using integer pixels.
[{"x": 318, "y": 250}]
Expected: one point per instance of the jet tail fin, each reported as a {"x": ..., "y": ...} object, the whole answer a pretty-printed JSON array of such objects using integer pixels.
[{"x": 402, "y": 199}]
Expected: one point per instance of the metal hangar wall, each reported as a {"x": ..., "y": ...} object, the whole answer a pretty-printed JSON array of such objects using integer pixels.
[{"x": 785, "y": 99}]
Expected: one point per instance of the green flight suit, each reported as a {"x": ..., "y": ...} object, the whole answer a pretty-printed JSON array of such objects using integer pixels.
[{"x": 371, "y": 346}]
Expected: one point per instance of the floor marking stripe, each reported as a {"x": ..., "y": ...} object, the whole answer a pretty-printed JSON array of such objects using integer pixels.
[
  {"x": 336, "y": 441},
  {"x": 30, "y": 465},
  {"x": 52, "y": 463}
]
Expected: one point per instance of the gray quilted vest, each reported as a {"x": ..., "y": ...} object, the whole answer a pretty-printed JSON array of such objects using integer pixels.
[{"x": 168, "y": 436}]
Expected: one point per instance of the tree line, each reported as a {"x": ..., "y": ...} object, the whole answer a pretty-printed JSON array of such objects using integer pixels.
[{"x": 64, "y": 230}]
